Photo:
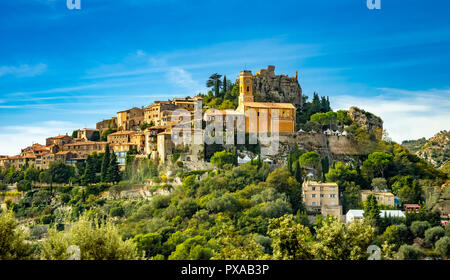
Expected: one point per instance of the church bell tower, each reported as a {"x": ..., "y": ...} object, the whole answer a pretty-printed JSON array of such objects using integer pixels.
[{"x": 245, "y": 87}]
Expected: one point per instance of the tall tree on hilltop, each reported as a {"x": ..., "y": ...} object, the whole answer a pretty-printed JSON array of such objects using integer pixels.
[
  {"x": 113, "y": 174},
  {"x": 224, "y": 84},
  {"x": 105, "y": 163},
  {"x": 89, "y": 172},
  {"x": 316, "y": 105},
  {"x": 214, "y": 81}
]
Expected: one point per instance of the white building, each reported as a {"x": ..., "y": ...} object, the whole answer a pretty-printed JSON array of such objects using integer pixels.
[{"x": 359, "y": 214}]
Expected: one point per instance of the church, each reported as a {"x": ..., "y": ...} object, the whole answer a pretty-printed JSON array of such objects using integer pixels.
[{"x": 261, "y": 116}]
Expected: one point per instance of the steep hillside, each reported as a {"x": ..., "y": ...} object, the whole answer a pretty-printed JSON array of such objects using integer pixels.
[
  {"x": 414, "y": 145},
  {"x": 437, "y": 149}
]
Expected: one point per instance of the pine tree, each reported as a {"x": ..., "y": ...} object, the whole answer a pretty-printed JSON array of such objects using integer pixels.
[
  {"x": 105, "y": 163},
  {"x": 89, "y": 172},
  {"x": 113, "y": 174},
  {"x": 372, "y": 210},
  {"x": 316, "y": 105}
]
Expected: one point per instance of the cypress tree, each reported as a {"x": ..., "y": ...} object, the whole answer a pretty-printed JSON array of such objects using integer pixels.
[
  {"x": 225, "y": 85},
  {"x": 113, "y": 174},
  {"x": 105, "y": 163},
  {"x": 297, "y": 172},
  {"x": 89, "y": 172},
  {"x": 372, "y": 210}
]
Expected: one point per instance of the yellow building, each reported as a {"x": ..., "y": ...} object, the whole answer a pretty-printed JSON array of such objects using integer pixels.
[
  {"x": 255, "y": 112},
  {"x": 385, "y": 198},
  {"x": 322, "y": 197},
  {"x": 130, "y": 119}
]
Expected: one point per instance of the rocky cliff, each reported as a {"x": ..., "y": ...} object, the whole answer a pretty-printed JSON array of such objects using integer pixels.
[
  {"x": 437, "y": 150},
  {"x": 268, "y": 87},
  {"x": 367, "y": 121}
]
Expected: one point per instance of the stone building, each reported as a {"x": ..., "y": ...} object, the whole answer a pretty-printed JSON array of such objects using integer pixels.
[
  {"x": 322, "y": 198},
  {"x": 59, "y": 140},
  {"x": 87, "y": 134},
  {"x": 83, "y": 149},
  {"x": 130, "y": 119},
  {"x": 385, "y": 198},
  {"x": 106, "y": 124}
]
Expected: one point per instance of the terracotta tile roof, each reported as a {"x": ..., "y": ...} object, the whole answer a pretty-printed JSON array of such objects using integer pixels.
[
  {"x": 126, "y": 132},
  {"x": 269, "y": 105}
]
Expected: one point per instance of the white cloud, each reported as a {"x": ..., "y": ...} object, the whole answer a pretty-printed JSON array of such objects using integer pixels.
[
  {"x": 23, "y": 70},
  {"x": 406, "y": 114},
  {"x": 15, "y": 138},
  {"x": 184, "y": 79}
]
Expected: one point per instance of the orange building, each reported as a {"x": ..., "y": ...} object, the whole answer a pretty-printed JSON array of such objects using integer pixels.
[{"x": 262, "y": 116}]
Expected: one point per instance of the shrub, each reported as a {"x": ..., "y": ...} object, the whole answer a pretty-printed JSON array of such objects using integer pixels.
[
  {"x": 409, "y": 252},
  {"x": 433, "y": 234},
  {"x": 116, "y": 211},
  {"x": 47, "y": 219},
  {"x": 443, "y": 247},
  {"x": 418, "y": 228}
]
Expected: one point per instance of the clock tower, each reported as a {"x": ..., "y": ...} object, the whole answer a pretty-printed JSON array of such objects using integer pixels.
[{"x": 245, "y": 87}]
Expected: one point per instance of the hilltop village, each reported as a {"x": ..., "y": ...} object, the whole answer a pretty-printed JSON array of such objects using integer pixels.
[
  {"x": 171, "y": 198},
  {"x": 146, "y": 131}
]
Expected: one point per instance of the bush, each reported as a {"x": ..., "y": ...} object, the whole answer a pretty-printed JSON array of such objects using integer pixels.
[
  {"x": 24, "y": 186},
  {"x": 443, "y": 247},
  {"x": 47, "y": 219},
  {"x": 433, "y": 234},
  {"x": 116, "y": 211},
  {"x": 65, "y": 198},
  {"x": 418, "y": 228},
  {"x": 409, "y": 252}
]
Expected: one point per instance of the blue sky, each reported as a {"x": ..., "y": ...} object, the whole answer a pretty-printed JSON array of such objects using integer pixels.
[{"x": 64, "y": 69}]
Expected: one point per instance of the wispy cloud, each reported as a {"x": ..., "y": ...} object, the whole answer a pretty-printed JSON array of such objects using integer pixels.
[
  {"x": 15, "y": 138},
  {"x": 23, "y": 70}
]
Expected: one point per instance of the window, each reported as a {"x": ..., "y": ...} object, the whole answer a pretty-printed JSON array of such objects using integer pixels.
[
  {"x": 313, "y": 196},
  {"x": 332, "y": 203},
  {"x": 313, "y": 188},
  {"x": 332, "y": 196},
  {"x": 313, "y": 203}
]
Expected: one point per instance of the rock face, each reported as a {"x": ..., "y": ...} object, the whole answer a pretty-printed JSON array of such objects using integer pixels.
[
  {"x": 367, "y": 121},
  {"x": 437, "y": 150},
  {"x": 268, "y": 87}
]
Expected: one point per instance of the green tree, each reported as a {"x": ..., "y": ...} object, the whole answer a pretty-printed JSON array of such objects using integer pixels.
[
  {"x": 338, "y": 241},
  {"x": 418, "y": 228},
  {"x": 214, "y": 81},
  {"x": 443, "y": 247},
  {"x": 31, "y": 174},
  {"x": 90, "y": 174},
  {"x": 113, "y": 173},
  {"x": 372, "y": 210},
  {"x": 97, "y": 240},
  {"x": 13, "y": 244},
  {"x": 149, "y": 244},
  {"x": 379, "y": 184},
  {"x": 219, "y": 159},
  {"x": 376, "y": 163},
  {"x": 105, "y": 163},
  {"x": 233, "y": 246},
  {"x": 290, "y": 240},
  {"x": 409, "y": 252},
  {"x": 193, "y": 248},
  {"x": 75, "y": 134},
  {"x": 433, "y": 234}
]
